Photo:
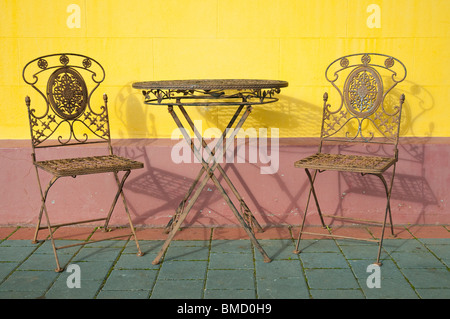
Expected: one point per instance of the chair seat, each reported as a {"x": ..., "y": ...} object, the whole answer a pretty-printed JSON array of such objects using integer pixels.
[
  {"x": 349, "y": 163},
  {"x": 88, "y": 165}
]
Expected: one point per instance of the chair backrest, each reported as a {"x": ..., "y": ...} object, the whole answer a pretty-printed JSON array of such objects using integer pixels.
[
  {"x": 66, "y": 81},
  {"x": 364, "y": 113}
]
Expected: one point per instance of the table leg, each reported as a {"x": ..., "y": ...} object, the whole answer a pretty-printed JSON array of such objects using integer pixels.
[
  {"x": 202, "y": 170},
  {"x": 210, "y": 174},
  {"x": 246, "y": 211}
]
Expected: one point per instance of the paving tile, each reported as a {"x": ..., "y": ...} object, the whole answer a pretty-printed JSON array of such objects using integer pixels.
[
  {"x": 95, "y": 253},
  {"x": 274, "y": 233},
  {"x": 38, "y": 281},
  {"x": 278, "y": 269},
  {"x": 109, "y": 244},
  {"x": 190, "y": 243},
  {"x": 282, "y": 288},
  {"x": 132, "y": 261},
  {"x": 60, "y": 290},
  {"x": 123, "y": 294},
  {"x": 389, "y": 270},
  {"x": 44, "y": 262},
  {"x": 276, "y": 249},
  {"x": 186, "y": 253},
  {"x": 434, "y": 293},
  {"x": 323, "y": 260},
  {"x": 178, "y": 289},
  {"x": 323, "y": 245},
  {"x": 230, "y": 233},
  {"x": 331, "y": 279},
  {"x": 367, "y": 251},
  {"x": 407, "y": 245},
  {"x": 74, "y": 233},
  {"x": 408, "y": 259},
  {"x": 126, "y": 279},
  {"x": 428, "y": 277},
  {"x": 230, "y": 279},
  {"x": 151, "y": 234},
  {"x": 227, "y": 268},
  {"x": 18, "y": 243},
  {"x": 350, "y": 231},
  {"x": 193, "y": 233},
  {"x": 6, "y": 268},
  {"x": 231, "y": 246},
  {"x": 100, "y": 234},
  {"x": 47, "y": 248},
  {"x": 230, "y": 294},
  {"x": 90, "y": 270},
  {"x": 230, "y": 261},
  {"x": 27, "y": 233},
  {"x": 337, "y": 294},
  {"x": 150, "y": 249},
  {"x": 435, "y": 241},
  {"x": 313, "y": 232},
  {"x": 400, "y": 232},
  {"x": 182, "y": 270},
  {"x": 442, "y": 252},
  {"x": 426, "y": 231},
  {"x": 389, "y": 289},
  {"x": 11, "y": 253},
  {"x": 21, "y": 295}
]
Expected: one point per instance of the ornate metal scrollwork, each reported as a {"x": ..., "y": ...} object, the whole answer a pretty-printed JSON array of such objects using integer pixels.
[
  {"x": 210, "y": 92},
  {"x": 67, "y": 114},
  {"x": 369, "y": 77},
  {"x": 209, "y": 97}
]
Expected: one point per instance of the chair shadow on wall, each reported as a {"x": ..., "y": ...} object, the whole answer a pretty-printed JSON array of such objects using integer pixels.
[{"x": 408, "y": 187}]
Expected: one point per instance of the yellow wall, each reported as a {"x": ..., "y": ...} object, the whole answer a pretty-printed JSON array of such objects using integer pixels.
[{"x": 292, "y": 40}]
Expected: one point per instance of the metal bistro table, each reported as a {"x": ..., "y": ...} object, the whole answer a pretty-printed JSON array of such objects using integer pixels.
[{"x": 242, "y": 94}]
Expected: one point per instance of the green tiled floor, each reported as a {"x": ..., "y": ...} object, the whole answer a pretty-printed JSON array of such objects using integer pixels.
[{"x": 228, "y": 269}]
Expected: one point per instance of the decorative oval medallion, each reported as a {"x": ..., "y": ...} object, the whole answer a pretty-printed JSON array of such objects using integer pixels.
[
  {"x": 67, "y": 93},
  {"x": 363, "y": 91}
]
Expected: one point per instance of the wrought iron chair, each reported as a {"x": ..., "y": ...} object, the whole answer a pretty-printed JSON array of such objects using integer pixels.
[
  {"x": 363, "y": 117},
  {"x": 68, "y": 119}
]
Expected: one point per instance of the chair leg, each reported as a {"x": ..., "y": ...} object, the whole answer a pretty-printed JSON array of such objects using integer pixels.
[
  {"x": 116, "y": 197},
  {"x": 311, "y": 191},
  {"x": 43, "y": 199},
  {"x": 120, "y": 192},
  {"x": 388, "y": 211},
  {"x": 139, "y": 253},
  {"x": 311, "y": 180},
  {"x": 297, "y": 251},
  {"x": 44, "y": 210}
]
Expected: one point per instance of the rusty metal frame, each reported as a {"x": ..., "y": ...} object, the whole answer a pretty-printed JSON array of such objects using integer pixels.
[
  {"x": 362, "y": 117},
  {"x": 67, "y": 103},
  {"x": 206, "y": 93}
]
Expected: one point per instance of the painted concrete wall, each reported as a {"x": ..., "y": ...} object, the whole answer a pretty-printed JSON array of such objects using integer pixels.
[{"x": 154, "y": 192}]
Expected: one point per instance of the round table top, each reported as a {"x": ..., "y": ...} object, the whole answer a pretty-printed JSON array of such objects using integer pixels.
[{"x": 210, "y": 84}]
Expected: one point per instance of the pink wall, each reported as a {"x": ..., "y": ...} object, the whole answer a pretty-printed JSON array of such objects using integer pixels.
[{"x": 420, "y": 193}]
